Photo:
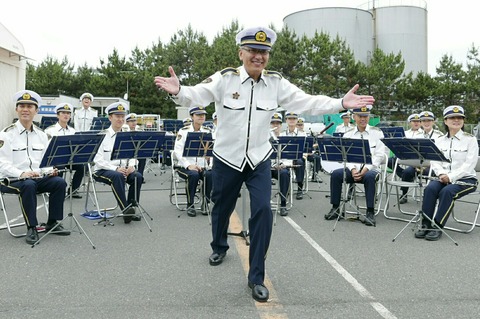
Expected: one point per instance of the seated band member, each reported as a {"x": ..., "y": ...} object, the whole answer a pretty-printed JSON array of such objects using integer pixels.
[
  {"x": 192, "y": 169},
  {"x": 117, "y": 173},
  {"x": 455, "y": 179},
  {"x": 22, "y": 147},
  {"x": 279, "y": 171},
  {"x": 408, "y": 173},
  {"x": 64, "y": 113},
  {"x": 83, "y": 117},
  {"x": 367, "y": 174},
  {"x": 131, "y": 125},
  {"x": 346, "y": 125},
  {"x": 291, "y": 118}
]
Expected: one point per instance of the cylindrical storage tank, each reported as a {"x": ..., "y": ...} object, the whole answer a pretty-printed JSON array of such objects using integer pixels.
[
  {"x": 352, "y": 25},
  {"x": 403, "y": 29}
]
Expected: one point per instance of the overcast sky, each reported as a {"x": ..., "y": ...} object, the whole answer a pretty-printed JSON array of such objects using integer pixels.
[{"x": 85, "y": 31}]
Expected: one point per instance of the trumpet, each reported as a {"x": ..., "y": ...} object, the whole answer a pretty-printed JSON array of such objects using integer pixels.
[{"x": 8, "y": 180}]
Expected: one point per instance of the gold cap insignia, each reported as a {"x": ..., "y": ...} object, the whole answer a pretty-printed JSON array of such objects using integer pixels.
[
  {"x": 120, "y": 107},
  {"x": 456, "y": 110},
  {"x": 261, "y": 36},
  {"x": 26, "y": 96}
]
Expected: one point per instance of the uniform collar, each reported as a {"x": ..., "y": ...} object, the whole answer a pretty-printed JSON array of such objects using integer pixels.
[
  {"x": 367, "y": 129},
  {"x": 21, "y": 129},
  {"x": 459, "y": 135},
  {"x": 244, "y": 76}
]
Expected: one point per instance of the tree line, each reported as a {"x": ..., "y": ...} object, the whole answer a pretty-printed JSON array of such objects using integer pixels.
[{"x": 318, "y": 65}]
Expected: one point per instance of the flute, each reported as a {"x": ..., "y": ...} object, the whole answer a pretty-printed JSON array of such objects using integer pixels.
[{"x": 8, "y": 180}]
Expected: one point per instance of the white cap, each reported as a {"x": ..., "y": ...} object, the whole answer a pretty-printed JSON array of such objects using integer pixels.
[
  {"x": 261, "y": 38},
  {"x": 116, "y": 108},
  {"x": 27, "y": 97},
  {"x": 63, "y": 107},
  {"x": 86, "y": 95}
]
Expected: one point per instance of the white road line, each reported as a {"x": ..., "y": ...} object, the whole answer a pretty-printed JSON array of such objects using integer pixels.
[{"x": 384, "y": 312}]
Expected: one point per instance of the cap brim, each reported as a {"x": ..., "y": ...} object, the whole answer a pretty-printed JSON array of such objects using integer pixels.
[
  {"x": 454, "y": 115},
  {"x": 27, "y": 102},
  {"x": 258, "y": 46}
]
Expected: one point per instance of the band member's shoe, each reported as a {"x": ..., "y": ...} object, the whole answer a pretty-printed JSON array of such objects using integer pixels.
[
  {"x": 136, "y": 218},
  {"x": 424, "y": 230},
  {"x": 259, "y": 292},
  {"x": 59, "y": 230},
  {"x": 283, "y": 211},
  {"x": 76, "y": 194},
  {"x": 130, "y": 212},
  {"x": 370, "y": 219},
  {"x": 216, "y": 259},
  {"x": 403, "y": 199},
  {"x": 191, "y": 211},
  {"x": 332, "y": 214},
  {"x": 434, "y": 234},
  {"x": 32, "y": 236},
  {"x": 299, "y": 194}
]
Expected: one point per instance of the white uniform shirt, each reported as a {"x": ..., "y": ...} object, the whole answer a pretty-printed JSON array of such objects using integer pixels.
[
  {"x": 245, "y": 108},
  {"x": 57, "y": 130},
  {"x": 377, "y": 148},
  {"x": 102, "y": 158},
  {"x": 462, "y": 151},
  {"x": 180, "y": 145},
  {"x": 83, "y": 118},
  {"x": 342, "y": 128},
  {"x": 433, "y": 134},
  {"x": 286, "y": 132},
  {"x": 414, "y": 134},
  {"x": 21, "y": 150}
]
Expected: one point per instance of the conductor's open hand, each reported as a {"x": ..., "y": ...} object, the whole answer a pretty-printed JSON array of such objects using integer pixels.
[
  {"x": 170, "y": 85},
  {"x": 353, "y": 101}
]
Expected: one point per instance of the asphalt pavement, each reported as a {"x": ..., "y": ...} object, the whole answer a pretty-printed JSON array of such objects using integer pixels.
[{"x": 315, "y": 268}]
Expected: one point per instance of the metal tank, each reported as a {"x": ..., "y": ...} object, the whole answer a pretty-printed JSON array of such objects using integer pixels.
[
  {"x": 352, "y": 25},
  {"x": 403, "y": 28}
]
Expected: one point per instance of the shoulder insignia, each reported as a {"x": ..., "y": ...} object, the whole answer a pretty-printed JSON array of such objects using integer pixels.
[
  {"x": 207, "y": 80},
  {"x": 185, "y": 128},
  {"x": 375, "y": 128},
  {"x": 468, "y": 134},
  {"x": 37, "y": 128},
  {"x": 273, "y": 73},
  {"x": 230, "y": 71},
  {"x": 9, "y": 128},
  {"x": 207, "y": 128},
  {"x": 179, "y": 137}
]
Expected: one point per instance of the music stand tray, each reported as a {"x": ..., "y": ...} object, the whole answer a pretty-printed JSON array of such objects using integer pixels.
[
  {"x": 393, "y": 131},
  {"x": 346, "y": 150},
  {"x": 417, "y": 149},
  {"x": 137, "y": 145},
  {"x": 69, "y": 150},
  {"x": 172, "y": 125},
  {"x": 199, "y": 144}
]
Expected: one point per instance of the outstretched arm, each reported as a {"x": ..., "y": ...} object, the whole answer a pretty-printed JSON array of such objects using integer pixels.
[
  {"x": 353, "y": 101},
  {"x": 170, "y": 85}
]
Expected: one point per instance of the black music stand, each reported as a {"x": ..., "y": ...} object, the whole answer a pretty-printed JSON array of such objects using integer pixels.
[
  {"x": 289, "y": 148},
  {"x": 346, "y": 150},
  {"x": 167, "y": 146},
  {"x": 137, "y": 145},
  {"x": 393, "y": 131},
  {"x": 69, "y": 150},
  {"x": 172, "y": 125},
  {"x": 421, "y": 150},
  {"x": 200, "y": 144},
  {"x": 99, "y": 123}
]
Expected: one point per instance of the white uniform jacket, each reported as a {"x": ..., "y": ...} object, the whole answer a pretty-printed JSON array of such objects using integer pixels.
[
  {"x": 180, "y": 145},
  {"x": 57, "y": 130},
  {"x": 244, "y": 109},
  {"x": 83, "y": 118},
  {"x": 433, "y": 134},
  {"x": 377, "y": 148},
  {"x": 414, "y": 134},
  {"x": 341, "y": 128},
  {"x": 462, "y": 151},
  {"x": 21, "y": 150},
  {"x": 102, "y": 158}
]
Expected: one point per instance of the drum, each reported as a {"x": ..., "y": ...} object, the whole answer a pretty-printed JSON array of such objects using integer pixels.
[{"x": 328, "y": 167}]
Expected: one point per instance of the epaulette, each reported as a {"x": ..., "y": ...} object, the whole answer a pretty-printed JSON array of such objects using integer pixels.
[
  {"x": 207, "y": 128},
  {"x": 37, "y": 128},
  {"x": 272, "y": 73},
  {"x": 468, "y": 134},
  {"x": 375, "y": 128},
  {"x": 230, "y": 70},
  {"x": 185, "y": 128},
  {"x": 9, "y": 128}
]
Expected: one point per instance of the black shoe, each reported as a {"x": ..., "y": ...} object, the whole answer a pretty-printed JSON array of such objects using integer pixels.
[
  {"x": 137, "y": 218},
  {"x": 32, "y": 236},
  {"x": 403, "y": 199},
  {"x": 76, "y": 194},
  {"x": 59, "y": 230},
  {"x": 370, "y": 219},
  {"x": 191, "y": 211},
  {"x": 130, "y": 212},
  {"x": 433, "y": 235},
  {"x": 259, "y": 292},
  {"x": 332, "y": 214},
  {"x": 421, "y": 233},
  {"x": 216, "y": 259},
  {"x": 299, "y": 194},
  {"x": 283, "y": 211}
]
